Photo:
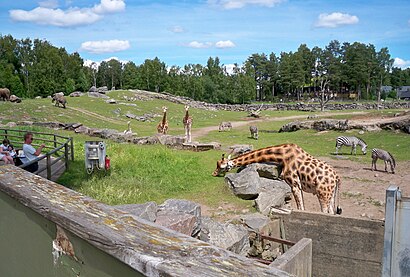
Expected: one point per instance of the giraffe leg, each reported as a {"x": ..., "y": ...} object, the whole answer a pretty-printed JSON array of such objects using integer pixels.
[
  {"x": 385, "y": 166},
  {"x": 297, "y": 194}
]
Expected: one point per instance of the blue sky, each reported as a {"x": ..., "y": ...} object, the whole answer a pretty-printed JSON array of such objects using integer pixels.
[{"x": 182, "y": 32}]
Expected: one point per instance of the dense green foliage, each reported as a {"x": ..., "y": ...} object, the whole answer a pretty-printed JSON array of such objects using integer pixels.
[{"x": 37, "y": 68}]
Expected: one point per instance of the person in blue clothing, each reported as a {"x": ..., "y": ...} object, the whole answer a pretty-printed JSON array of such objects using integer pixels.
[{"x": 30, "y": 152}]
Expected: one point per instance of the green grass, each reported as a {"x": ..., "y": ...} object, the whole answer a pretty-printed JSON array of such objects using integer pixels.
[{"x": 142, "y": 173}]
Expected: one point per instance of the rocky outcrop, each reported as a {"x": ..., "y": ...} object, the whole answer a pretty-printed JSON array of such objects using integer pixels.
[{"x": 394, "y": 123}]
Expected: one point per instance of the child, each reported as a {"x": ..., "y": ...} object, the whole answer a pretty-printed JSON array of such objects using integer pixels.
[
  {"x": 4, "y": 153},
  {"x": 12, "y": 153}
]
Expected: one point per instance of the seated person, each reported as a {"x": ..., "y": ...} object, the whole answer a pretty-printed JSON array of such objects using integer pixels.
[
  {"x": 12, "y": 153},
  {"x": 30, "y": 152},
  {"x": 4, "y": 152}
]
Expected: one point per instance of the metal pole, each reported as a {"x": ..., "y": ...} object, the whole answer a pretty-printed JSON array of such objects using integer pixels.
[{"x": 389, "y": 223}]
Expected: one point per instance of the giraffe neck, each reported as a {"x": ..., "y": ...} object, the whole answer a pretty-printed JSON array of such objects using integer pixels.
[
  {"x": 164, "y": 118},
  {"x": 279, "y": 154}
]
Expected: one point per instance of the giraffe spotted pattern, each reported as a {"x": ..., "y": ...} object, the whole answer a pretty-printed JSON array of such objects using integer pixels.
[{"x": 300, "y": 170}]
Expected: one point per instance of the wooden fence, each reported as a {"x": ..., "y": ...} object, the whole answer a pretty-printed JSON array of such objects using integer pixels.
[{"x": 60, "y": 148}]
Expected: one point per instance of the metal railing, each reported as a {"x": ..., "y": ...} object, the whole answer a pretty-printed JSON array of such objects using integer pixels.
[{"x": 62, "y": 148}]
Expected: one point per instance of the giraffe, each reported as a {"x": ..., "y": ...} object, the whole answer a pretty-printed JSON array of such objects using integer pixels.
[
  {"x": 163, "y": 125},
  {"x": 300, "y": 170},
  {"x": 187, "y": 120}
]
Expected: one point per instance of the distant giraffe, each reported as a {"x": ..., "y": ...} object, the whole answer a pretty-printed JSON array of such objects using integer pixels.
[
  {"x": 300, "y": 171},
  {"x": 187, "y": 120},
  {"x": 163, "y": 125}
]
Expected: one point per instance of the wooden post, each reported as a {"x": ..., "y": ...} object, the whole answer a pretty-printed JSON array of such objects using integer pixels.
[
  {"x": 72, "y": 149},
  {"x": 66, "y": 155},
  {"x": 55, "y": 141},
  {"x": 48, "y": 167}
]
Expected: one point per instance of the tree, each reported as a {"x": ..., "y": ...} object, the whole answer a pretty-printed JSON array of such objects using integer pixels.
[{"x": 385, "y": 63}]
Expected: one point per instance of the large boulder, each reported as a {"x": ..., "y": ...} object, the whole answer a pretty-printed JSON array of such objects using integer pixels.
[
  {"x": 273, "y": 194},
  {"x": 96, "y": 95},
  {"x": 266, "y": 170},
  {"x": 245, "y": 184},
  {"x": 180, "y": 206},
  {"x": 147, "y": 211},
  {"x": 227, "y": 236},
  {"x": 180, "y": 222}
]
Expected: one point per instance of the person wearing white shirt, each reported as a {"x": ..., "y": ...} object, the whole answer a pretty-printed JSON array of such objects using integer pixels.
[
  {"x": 30, "y": 152},
  {"x": 4, "y": 152}
]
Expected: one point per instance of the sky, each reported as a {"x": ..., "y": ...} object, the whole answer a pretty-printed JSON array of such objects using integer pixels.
[{"x": 189, "y": 32}]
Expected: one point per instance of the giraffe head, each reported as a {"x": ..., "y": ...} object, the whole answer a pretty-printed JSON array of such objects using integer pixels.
[
  {"x": 223, "y": 165},
  {"x": 186, "y": 108},
  {"x": 164, "y": 109}
]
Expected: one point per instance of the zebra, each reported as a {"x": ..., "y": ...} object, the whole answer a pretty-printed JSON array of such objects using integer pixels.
[
  {"x": 350, "y": 141},
  {"x": 225, "y": 126},
  {"x": 254, "y": 132},
  {"x": 385, "y": 156}
]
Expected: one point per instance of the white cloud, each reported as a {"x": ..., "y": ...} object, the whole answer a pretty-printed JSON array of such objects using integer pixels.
[
  {"x": 224, "y": 44},
  {"x": 237, "y": 4},
  {"x": 109, "y": 6},
  {"x": 196, "y": 44},
  {"x": 95, "y": 64},
  {"x": 105, "y": 46},
  {"x": 48, "y": 14},
  {"x": 401, "y": 63},
  {"x": 336, "y": 19},
  {"x": 229, "y": 68},
  {"x": 177, "y": 29}
]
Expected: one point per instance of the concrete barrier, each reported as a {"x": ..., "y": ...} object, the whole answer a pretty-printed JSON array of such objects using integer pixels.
[
  {"x": 297, "y": 260},
  {"x": 342, "y": 246}
]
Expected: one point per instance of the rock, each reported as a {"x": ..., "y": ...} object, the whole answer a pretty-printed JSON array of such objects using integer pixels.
[
  {"x": 96, "y": 95},
  {"x": 240, "y": 149},
  {"x": 15, "y": 99},
  {"x": 245, "y": 184},
  {"x": 184, "y": 206},
  {"x": 265, "y": 170},
  {"x": 146, "y": 211},
  {"x": 111, "y": 101},
  {"x": 76, "y": 94},
  {"x": 273, "y": 194},
  {"x": 227, "y": 236},
  {"x": 180, "y": 222}
]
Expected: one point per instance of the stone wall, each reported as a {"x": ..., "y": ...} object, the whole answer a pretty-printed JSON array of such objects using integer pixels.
[{"x": 275, "y": 106}]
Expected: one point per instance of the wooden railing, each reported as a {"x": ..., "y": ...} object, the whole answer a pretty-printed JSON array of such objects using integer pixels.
[{"x": 60, "y": 148}]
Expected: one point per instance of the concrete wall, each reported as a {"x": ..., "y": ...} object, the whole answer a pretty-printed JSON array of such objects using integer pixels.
[
  {"x": 342, "y": 246},
  {"x": 49, "y": 230},
  {"x": 297, "y": 260}
]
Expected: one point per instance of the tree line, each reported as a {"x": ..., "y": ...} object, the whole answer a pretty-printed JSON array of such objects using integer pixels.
[{"x": 32, "y": 68}]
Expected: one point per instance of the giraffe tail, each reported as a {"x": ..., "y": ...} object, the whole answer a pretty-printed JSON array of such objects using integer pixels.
[{"x": 338, "y": 184}]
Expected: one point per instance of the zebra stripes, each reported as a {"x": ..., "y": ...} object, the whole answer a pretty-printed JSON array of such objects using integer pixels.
[
  {"x": 385, "y": 156},
  {"x": 350, "y": 141}
]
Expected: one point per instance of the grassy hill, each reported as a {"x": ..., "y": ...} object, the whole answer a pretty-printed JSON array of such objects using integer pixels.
[{"x": 142, "y": 173}]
